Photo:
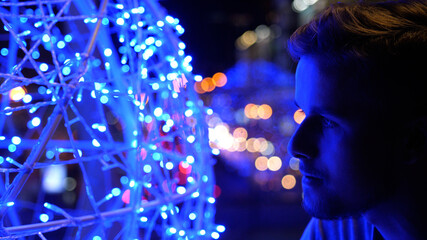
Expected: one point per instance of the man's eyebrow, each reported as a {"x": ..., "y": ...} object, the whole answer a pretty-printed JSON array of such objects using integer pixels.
[{"x": 325, "y": 110}]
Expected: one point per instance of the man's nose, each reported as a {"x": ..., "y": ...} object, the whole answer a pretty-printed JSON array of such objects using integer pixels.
[{"x": 304, "y": 142}]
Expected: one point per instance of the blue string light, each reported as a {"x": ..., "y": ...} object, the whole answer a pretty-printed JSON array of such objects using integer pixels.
[{"x": 105, "y": 95}]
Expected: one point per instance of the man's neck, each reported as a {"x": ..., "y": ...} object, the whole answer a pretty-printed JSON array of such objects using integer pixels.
[{"x": 402, "y": 217}]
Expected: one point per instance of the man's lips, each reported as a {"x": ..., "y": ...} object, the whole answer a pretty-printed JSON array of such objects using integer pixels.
[
  {"x": 310, "y": 175},
  {"x": 310, "y": 172}
]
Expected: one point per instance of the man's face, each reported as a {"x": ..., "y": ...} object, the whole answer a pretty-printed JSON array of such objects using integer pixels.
[{"x": 346, "y": 156}]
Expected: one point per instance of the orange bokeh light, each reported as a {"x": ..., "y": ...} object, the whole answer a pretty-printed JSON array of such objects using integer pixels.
[
  {"x": 260, "y": 144},
  {"x": 264, "y": 111},
  {"x": 241, "y": 146},
  {"x": 208, "y": 84},
  {"x": 250, "y": 145},
  {"x": 261, "y": 163},
  {"x": 251, "y": 110},
  {"x": 240, "y": 133},
  {"x": 288, "y": 182},
  {"x": 198, "y": 87},
  {"x": 17, "y": 93},
  {"x": 299, "y": 116},
  {"x": 219, "y": 79}
]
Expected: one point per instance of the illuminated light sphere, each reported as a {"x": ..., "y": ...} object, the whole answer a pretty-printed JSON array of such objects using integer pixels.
[
  {"x": 108, "y": 118},
  {"x": 261, "y": 163},
  {"x": 299, "y": 116},
  {"x": 274, "y": 163},
  {"x": 219, "y": 79},
  {"x": 17, "y": 93},
  {"x": 288, "y": 182}
]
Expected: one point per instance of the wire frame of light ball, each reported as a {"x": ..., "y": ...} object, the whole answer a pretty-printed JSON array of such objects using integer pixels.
[{"x": 95, "y": 95}]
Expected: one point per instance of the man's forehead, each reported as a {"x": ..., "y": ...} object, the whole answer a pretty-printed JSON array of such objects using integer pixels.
[{"x": 323, "y": 90}]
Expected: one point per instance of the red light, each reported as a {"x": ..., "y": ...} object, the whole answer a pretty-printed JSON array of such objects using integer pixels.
[
  {"x": 185, "y": 168},
  {"x": 126, "y": 196},
  {"x": 217, "y": 191}
]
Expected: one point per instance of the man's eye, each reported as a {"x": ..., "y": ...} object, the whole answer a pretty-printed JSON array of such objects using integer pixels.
[{"x": 328, "y": 123}]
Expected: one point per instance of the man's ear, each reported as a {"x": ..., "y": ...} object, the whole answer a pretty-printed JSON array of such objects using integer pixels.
[{"x": 415, "y": 141}]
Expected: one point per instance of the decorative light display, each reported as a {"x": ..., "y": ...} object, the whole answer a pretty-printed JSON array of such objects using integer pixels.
[{"x": 101, "y": 133}]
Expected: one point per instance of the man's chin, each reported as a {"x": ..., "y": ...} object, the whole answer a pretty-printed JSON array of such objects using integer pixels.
[{"x": 329, "y": 210}]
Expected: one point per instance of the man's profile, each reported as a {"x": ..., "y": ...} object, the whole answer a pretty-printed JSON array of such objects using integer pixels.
[{"x": 361, "y": 81}]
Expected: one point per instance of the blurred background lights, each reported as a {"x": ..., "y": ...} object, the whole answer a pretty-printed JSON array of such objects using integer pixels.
[
  {"x": 274, "y": 163},
  {"x": 302, "y": 5},
  {"x": 253, "y": 111},
  {"x": 208, "y": 84},
  {"x": 294, "y": 163},
  {"x": 219, "y": 79},
  {"x": 246, "y": 40},
  {"x": 261, "y": 163},
  {"x": 288, "y": 181},
  {"x": 299, "y": 116}
]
